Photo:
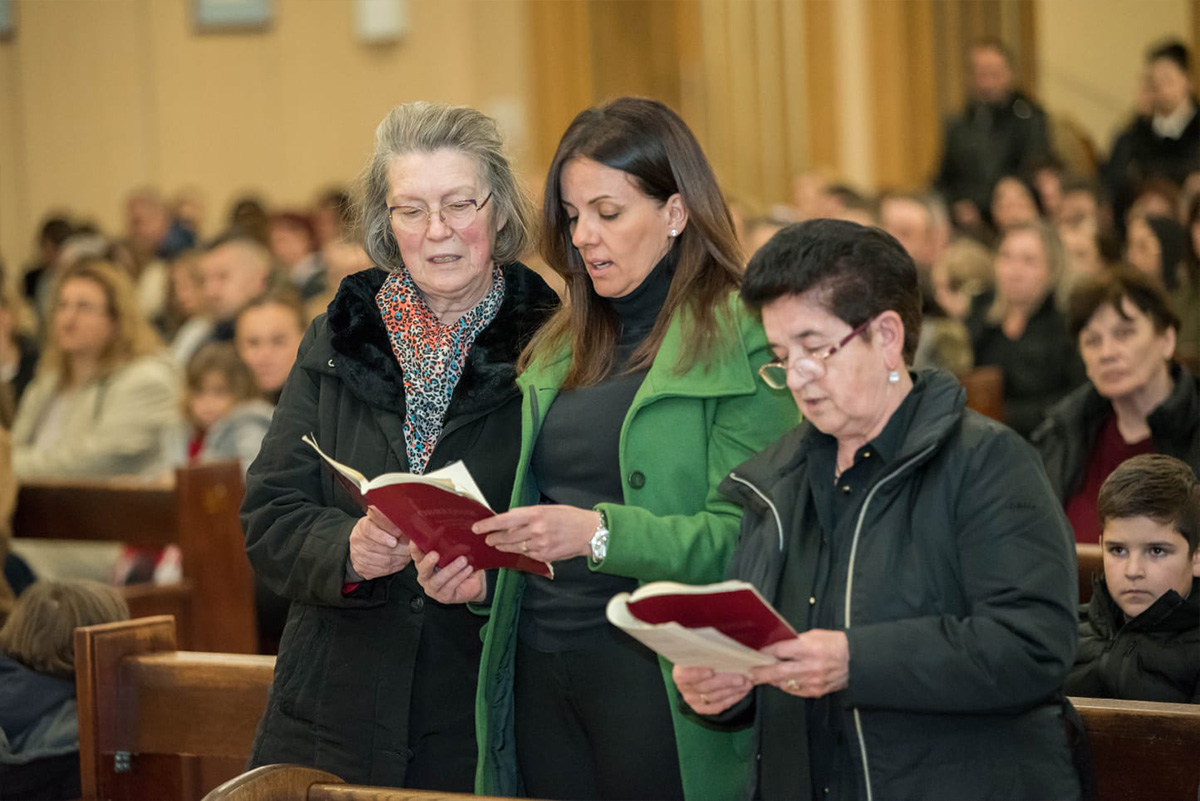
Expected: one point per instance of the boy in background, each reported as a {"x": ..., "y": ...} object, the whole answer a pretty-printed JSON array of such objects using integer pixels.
[{"x": 1140, "y": 639}]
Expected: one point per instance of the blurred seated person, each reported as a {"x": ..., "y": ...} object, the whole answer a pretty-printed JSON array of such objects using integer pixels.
[
  {"x": 249, "y": 216},
  {"x": 227, "y": 416},
  {"x": 18, "y": 358},
  {"x": 1084, "y": 252},
  {"x": 342, "y": 259},
  {"x": 294, "y": 245},
  {"x": 1157, "y": 246},
  {"x": 235, "y": 269},
  {"x": 960, "y": 274},
  {"x": 1014, "y": 202},
  {"x": 104, "y": 396},
  {"x": 152, "y": 240},
  {"x": 844, "y": 202},
  {"x": 1019, "y": 328},
  {"x": 187, "y": 323},
  {"x": 1081, "y": 202},
  {"x": 39, "y": 724},
  {"x": 267, "y": 335},
  {"x": 759, "y": 231},
  {"x": 332, "y": 217},
  {"x": 54, "y": 232},
  {"x": 1136, "y": 400},
  {"x": 1140, "y": 635}
]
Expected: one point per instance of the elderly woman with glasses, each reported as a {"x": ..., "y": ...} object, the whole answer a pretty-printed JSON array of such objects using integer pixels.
[
  {"x": 915, "y": 545},
  {"x": 412, "y": 367}
]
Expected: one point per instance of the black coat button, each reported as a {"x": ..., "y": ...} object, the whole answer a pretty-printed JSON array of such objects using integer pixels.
[
  {"x": 637, "y": 479},
  {"x": 417, "y": 605}
]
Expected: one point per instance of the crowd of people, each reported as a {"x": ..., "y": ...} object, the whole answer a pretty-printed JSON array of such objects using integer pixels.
[{"x": 677, "y": 414}]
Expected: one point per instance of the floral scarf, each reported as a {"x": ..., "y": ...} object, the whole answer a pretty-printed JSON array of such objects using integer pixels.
[{"x": 431, "y": 355}]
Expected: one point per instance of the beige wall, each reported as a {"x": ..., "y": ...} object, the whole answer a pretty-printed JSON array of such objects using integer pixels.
[
  {"x": 99, "y": 96},
  {"x": 1090, "y": 53}
]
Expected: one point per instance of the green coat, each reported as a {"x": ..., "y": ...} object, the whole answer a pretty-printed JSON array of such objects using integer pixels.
[{"x": 681, "y": 437}]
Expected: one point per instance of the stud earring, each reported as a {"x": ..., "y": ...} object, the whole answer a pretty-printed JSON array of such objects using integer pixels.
[
  {"x": 894, "y": 377},
  {"x": 674, "y": 233}
]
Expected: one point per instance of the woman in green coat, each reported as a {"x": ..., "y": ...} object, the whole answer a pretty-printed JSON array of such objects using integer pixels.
[{"x": 638, "y": 398}]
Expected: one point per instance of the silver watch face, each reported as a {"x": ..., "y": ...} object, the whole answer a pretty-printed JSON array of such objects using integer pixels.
[{"x": 600, "y": 545}]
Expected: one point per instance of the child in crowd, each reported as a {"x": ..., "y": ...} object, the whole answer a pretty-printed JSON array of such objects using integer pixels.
[
  {"x": 1141, "y": 636},
  {"x": 228, "y": 418},
  {"x": 39, "y": 729}
]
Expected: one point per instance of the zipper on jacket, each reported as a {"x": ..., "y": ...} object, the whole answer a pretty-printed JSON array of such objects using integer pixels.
[
  {"x": 767, "y": 501},
  {"x": 862, "y": 743}
]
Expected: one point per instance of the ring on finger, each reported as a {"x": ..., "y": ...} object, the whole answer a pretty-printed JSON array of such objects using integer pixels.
[
  {"x": 792, "y": 685},
  {"x": 704, "y": 699},
  {"x": 524, "y": 546}
]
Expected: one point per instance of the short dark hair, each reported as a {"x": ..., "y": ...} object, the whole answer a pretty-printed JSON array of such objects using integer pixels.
[
  {"x": 1156, "y": 486},
  {"x": 1172, "y": 50},
  {"x": 995, "y": 44},
  {"x": 56, "y": 230},
  {"x": 860, "y": 271},
  {"x": 1109, "y": 289}
]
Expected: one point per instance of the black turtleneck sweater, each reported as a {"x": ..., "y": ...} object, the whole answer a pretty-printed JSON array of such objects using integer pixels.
[{"x": 576, "y": 461}]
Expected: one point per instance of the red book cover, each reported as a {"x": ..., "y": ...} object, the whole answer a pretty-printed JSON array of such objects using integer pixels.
[
  {"x": 735, "y": 609},
  {"x": 435, "y": 511}
]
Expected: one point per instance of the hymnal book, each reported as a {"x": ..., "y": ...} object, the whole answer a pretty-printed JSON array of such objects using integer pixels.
[
  {"x": 434, "y": 510},
  {"x": 722, "y": 626}
]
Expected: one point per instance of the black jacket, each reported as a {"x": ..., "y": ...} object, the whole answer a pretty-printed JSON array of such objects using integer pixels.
[
  {"x": 960, "y": 611},
  {"x": 988, "y": 142},
  {"x": 1154, "y": 657},
  {"x": 1066, "y": 438},
  {"x": 1140, "y": 154},
  {"x": 39, "y": 735},
  {"x": 1039, "y": 368},
  {"x": 350, "y": 695}
]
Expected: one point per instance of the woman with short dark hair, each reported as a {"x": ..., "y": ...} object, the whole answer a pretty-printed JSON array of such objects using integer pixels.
[
  {"x": 1137, "y": 399},
  {"x": 913, "y": 543}
]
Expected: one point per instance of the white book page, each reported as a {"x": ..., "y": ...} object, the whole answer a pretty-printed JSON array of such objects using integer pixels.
[{"x": 705, "y": 647}]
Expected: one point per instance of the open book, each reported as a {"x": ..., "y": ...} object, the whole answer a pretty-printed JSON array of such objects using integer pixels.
[
  {"x": 435, "y": 511},
  {"x": 722, "y": 626}
]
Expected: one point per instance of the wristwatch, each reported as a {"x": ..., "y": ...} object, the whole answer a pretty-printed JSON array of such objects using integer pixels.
[{"x": 600, "y": 539}]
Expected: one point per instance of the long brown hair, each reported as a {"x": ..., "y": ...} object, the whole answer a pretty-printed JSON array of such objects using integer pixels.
[
  {"x": 650, "y": 142},
  {"x": 40, "y": 632}
]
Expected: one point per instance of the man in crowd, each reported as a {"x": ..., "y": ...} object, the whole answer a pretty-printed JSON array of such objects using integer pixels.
[
  {"x": 1001, "y": 132},
  {"x": 235, "y": 269}
]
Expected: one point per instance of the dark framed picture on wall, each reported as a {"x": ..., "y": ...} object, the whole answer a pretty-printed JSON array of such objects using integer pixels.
[{"x": 217, "y": 16}]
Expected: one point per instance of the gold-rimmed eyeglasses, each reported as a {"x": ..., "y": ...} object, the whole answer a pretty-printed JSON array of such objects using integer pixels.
[
  {"x": 457, "y": 215},
  {"x": 812, "y": 363}
]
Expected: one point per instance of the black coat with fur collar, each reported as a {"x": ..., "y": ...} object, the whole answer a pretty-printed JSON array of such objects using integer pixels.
[{"x": 350, "y": 695}]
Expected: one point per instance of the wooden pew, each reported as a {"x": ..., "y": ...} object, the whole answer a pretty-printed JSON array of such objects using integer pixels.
[
  {"x": 296, "y": 783},
  {"x": 1091, "y": 563},
  {"x": 146, "y": 711},
  {"x": 985, "y": 391},
  {"x": 1143, "y": 750},
  {"x": 199, "y": 513}
]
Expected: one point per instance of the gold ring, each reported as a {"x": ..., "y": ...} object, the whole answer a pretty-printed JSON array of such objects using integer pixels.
[
  {"x": 704, "y": 699},
  {"x": 524, "y": 546},
  {"x": 791, "y": 684}
]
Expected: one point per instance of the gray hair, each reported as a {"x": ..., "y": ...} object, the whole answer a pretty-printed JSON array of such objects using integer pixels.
[{"x": 422, "y": 127}]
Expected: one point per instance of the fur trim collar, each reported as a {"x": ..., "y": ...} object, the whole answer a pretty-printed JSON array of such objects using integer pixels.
[{"x": 369, "y": 367}]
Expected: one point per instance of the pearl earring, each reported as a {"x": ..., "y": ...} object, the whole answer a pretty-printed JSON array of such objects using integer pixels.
[
  {"x": 894, "y": 377},
  {"x": 674, "y": 232}
]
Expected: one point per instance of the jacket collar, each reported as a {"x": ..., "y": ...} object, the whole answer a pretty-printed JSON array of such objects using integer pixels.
[
  {"x": 729, "y": 375},
  {"x": 941, "y": 401},
  {"x": 363, "y": 355},
  {"x": 1169, "y": 613},
  {"x": 1174, "y": 419}
]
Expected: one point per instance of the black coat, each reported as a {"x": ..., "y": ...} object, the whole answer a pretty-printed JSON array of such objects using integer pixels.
[
  {"x": 1141, "y": 154},
  {"x": 1039, "y": 368},
  {"x": 1066, "y": 438},
  {"x": 350, "y": 695},
  {"x": 960, "y": 611},
  {"x": 1154, "y": 657},
  {"x": 988, "y": 142}
]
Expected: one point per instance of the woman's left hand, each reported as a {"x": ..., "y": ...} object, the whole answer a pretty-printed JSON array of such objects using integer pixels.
[
  {"x": 812, "y": 665},
  {"x": 548, "y": 533}
]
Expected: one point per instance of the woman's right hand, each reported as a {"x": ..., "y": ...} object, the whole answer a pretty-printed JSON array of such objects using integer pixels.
[
  {"x": 456, "y": 583},
  {"x": 709, "y": 692},
  {"x": 377, "y": 546}
]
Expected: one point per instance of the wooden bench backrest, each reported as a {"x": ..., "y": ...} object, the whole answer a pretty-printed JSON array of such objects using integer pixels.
[
  {"x": 1091, "y": 563},
  {"x": 138, "y": 696},
  {"x": 1143, "y": 750},
  {"x": 199, "y": 514},
  {"x": 985, "y": 391},
  {"x": 296, "y": 783}
]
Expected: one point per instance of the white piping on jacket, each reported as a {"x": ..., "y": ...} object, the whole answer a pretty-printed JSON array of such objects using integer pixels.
[
  {"x": 862, "y": 743},
  {"x": 767, "y": 501}
]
